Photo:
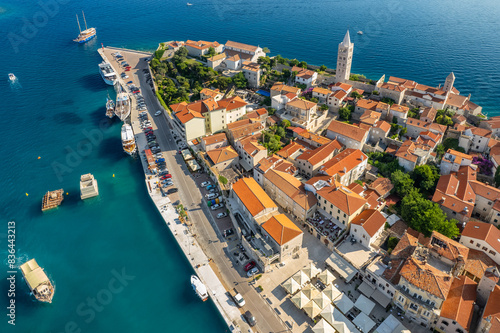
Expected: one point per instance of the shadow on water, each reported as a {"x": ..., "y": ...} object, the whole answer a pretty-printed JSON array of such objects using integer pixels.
[
  {"x": 93, "y": 82},
  {"x": 111, "y": 149},
  {"x": 67, "y": 118}
]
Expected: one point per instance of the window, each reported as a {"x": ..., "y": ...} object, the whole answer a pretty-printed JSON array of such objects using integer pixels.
[
  {"x": 471, "y": 241},
  {"x": 414, "y": 307},
  {"x": 401, "y": 299},
  {"x": 478, "y": 245},
  {"x": 445, "y": 323},
  {"x": 493, "y": 253},
  {"x": 485, "y": 248}
]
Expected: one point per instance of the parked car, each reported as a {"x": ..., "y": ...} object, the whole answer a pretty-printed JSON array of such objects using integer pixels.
[
  {"x": 250, "y": 318},
  {"x": 252, "y": 272},
  {"x": 205, "y": 184},
  {"x": 160, "y": 160},
  {"x": 172, "y": 190},
  {"x": 216, "y": 206},
  {"x": 158, "y": 113},
  {"x": 221, "y": 215},
  {"x": 213, "y": 190},
  {"x": 249, "y": 266},
  {"x": 211, "y": 196},
  {"x": 209, "y": 187},
  {"x": 167, "y": 176}
]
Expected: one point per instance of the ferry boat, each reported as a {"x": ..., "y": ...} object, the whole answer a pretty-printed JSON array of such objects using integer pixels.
[
  {"x": 128, "y": 139},
  {"x": 86, "y": 34},
  {"x": 110, "y": 107},
  {"x": 123, "y": 106},
  {"x": 199, "y": 288},
  {"x": 37, "y": 281},
  {"x": 107, "y": 73},
  {"x": 12, "y": 77}
]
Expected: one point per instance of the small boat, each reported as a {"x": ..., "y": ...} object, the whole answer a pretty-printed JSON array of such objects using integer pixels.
[
  {"x": 12, "y": 77},
  {"x": 123, "y": 106},
  {"x": 86, "y": 34},
  {"x": 189, "y": 4},
  {"x": 128, "y": 139},
  {"x": 37, "y": 281},
  {"x": 360, "y": 32},
  {"x": 110, "y": 107},
  {"x": 199, "y": 288},
  {"x": 107, "y": 73}
]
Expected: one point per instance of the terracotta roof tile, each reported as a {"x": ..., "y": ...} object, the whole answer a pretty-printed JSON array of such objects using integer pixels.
[
  {"x": 426, "y": 277},
  {"x": 321, "y": 91},
  {"x": 429, "y": 113},
  {"x": 371, "y": 220},
  {"x": 241, "y": 46},
  {"x": 477, "y": 262},
  {"x": 317, "y": 155},
  {"x": 342, "y": 198},
  {"x": 347, "y": 130},
  {"x": 346, "y": 161},
  {"x": 382, "y": 186},
  {"x": 281, "y": 229},
  {"x": 459, "y": 305},
  {"x": 483, "y": 231},
  {"x": 292, "y": 187},
  {"x": 492, "y": 307},
  {"x": 301, "y": 104},
  {"x": 222, "y": 154},
  {"x": 253, "y": 196},
  {"x": 383, "y": 125}
]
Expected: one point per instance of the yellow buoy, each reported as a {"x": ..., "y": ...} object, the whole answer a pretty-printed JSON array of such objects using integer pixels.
[
  {"x": 27, "y": 194},
  {"x": 67, "y": 193},
  {"x": 39, "y": 157},
  {"x": 113, "y": 175}
]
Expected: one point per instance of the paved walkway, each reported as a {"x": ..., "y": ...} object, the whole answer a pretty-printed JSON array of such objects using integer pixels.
[{"x": 203, "y": 239}]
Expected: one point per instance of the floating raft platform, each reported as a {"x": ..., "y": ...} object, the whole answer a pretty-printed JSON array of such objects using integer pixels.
[
  {"x": 88, "y": 186},
  {"x": 52, "y": 199}
]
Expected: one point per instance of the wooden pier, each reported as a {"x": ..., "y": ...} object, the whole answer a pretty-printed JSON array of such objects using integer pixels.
[{"x": 52, "y": 199}]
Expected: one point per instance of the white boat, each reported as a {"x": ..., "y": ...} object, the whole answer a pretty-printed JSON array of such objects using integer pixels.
[
  {"x": 128, "y": 139},
  {"x": 199, "y": 288},
  {"x": 110, "y": 107},
  {"x": 189, "y": 4},
  {"x": 360, "y": 32},
  {"x": 12, "y": 77},
  {"x": 85, "y": 35},
  {"x": 107, "y": 73},
  {"x": 37, "y": 280},
  {"x": 123, "y": 105}
]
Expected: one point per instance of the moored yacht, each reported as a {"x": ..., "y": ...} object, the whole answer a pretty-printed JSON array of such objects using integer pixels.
[
  {"x": 107, "y": 73},
  {"x": 123, "y": 106},
  {"x": 199, "y": 288},
  {"x": 128, "y": 139},
  {"x": 12, "y": 77},
  {"x": 37, "y": 280}
]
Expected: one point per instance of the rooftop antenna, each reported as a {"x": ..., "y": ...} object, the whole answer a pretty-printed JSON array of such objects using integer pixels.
[
  {"x": 78, "y": 23},
  {"x": 84, "y": 20}
]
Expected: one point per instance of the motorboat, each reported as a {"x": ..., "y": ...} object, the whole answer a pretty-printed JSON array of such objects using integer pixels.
[
  {"x": 12, "y": 77},
  {"x": 360, "y": 32},
  {"x": 199, "y": 288},
  {"x": 37, "y": 281}
]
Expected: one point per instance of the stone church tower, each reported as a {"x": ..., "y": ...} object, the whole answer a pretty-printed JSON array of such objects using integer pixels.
[
  {"x": 486, "y": 285},
  {"x": 448, "y": 84},
  {"x": 344, "y": 59}
]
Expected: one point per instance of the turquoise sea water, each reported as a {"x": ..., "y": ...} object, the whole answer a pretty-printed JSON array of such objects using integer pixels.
[{"x": 57, "y": 111}]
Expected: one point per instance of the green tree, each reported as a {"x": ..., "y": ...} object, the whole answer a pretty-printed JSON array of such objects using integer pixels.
[
  {"x": 403, "y": 183},
  {"x": 294, "y": 62},
  {"x": 280, "y": 131},
  {"x": 266, "y": 50},
  {"x": 355, "y": 94},
  {"x": 281, "y": 60},
  {"x": 314, "y": 100},
  {"x": 440, "y": 150},
  {"x": 285, "y": 123},
  {"x": 388, "y": 100},
  {"x": 223, "y": 82},
  {"x": 267, "y": 101},
  {"x": 271, "y": 111},
  {"x": 322, "y": 68},
  {"x": 303, "y": 64},
  {"x": 425, "y": 176},
  {"x": 223, "y": 180},
  {"x": 240, "y": 80},
  {"x": 159, "y": 54},
  {"x": 211, "y": 51},
  {"x": 286, "y": 73},
  {"x": 323, "y": 107},
  {"x": 345, "y": 113},
  {"x": 444, "y": 120},
  {"x": 497, "y": 177},
  {"x": 375, "y": 92},
  {"x": 391, "y": 243}
]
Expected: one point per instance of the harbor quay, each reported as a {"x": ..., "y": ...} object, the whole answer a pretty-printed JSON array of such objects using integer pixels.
[{"x": 187, "y": 241}]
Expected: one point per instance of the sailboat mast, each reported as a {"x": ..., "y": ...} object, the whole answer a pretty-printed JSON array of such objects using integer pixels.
[
  {"x": 83, "y": 14},
  {"x": 77, "y": 21}
]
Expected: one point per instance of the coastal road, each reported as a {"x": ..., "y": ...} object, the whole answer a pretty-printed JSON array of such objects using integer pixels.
[{"x": 206, "y": 230}]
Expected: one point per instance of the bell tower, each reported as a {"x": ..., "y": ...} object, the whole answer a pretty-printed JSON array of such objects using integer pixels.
[
  {"x": 344, "y": 59},
  {"x": 448, "y": 84}
]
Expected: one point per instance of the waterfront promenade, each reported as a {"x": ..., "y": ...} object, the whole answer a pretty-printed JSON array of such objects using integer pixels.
[{"x": 202, "y": 240}]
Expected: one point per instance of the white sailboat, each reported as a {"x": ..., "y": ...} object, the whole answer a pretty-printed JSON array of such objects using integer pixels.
[
  {"x": 128, "y": 139},
  {"x": 123, "y": 105}
]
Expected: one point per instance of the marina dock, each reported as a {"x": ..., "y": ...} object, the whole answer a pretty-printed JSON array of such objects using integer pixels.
[
  {"x": 186, "y": 240},
  {"x": 88, "y": 186},
  {"x": 52, "y": 199}
]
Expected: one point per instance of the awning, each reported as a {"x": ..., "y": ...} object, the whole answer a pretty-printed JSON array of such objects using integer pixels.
[
  {"x": 323, "y": 327},
  {"x": 381, "y": 298},
  {"x": 366, "y": 289},
  {"x": 341, "y": 266},
  {"x": 343, "y": 303},
  {"x": 364, "y": 322},
  {"x": 193, "y": 165},
  {"x": 390, "y": 325},
  {"x": 364, "y": 304}
]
